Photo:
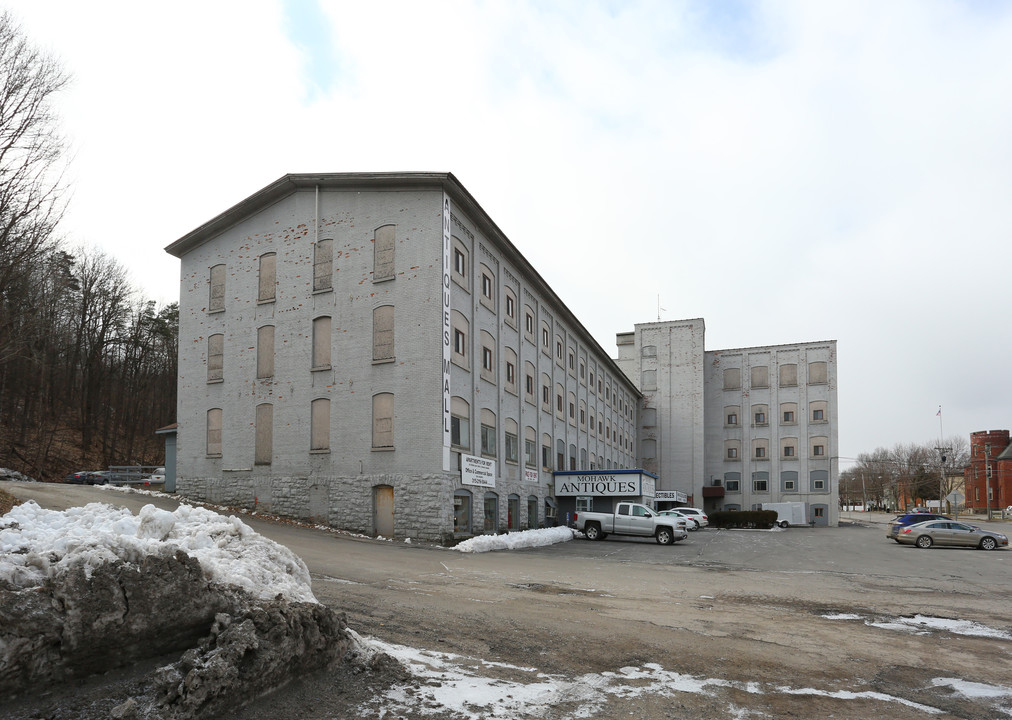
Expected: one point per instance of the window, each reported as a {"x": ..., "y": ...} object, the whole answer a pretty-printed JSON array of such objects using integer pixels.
[
  {"x": 320, "y": 425},
  {"x": 818, "y": 450},
  {"x": 321, "y": 343},
  {"x": 732, "y": 482},
  {"x": 530, "y": 448},
  {"x": 546, "y": 338},
  {"x": 760, "y": 417},
  {"x": 760, "y": 452},
  {"x": 323, "y": 266},
  {"x": 460, "y": 347},
  {"x": 787, "y": 413},
  {"x": 267, "y": 283},
  {"x": 760, "y": 448},
  {"x": 788, "y": 375},
  {"x": 214, "y": 432},
  {"x": 512, "y": 449},
  {"x": 383, "y": 333},
  {"x": 788, "y": 451},
  {"x": 583, "y": 372},
  {"x": 461, "y": 268},
  {"x": 546, "y": 452},
  {"x": 529, "y": 323},
  {"x": 819, "y": 480},
  {"x": 263, "y": 450},
  {"x": 546, "y": 394},
  {"x": 572, "y": 409},
  {"x": 384, "y": 240},
  {"x": 511, "y": 308},
  {"x": 560, "y": 455},
  {"x": 559, "y": 407},
  {"x": 460, "y": 423},
  {"x": 488, "y": 433},
  {"x": 760, "y": 482},
  {"x": 513, "y": 512},
  {"x": 529, "y": 387},
  {"x": 572, "y": 362},
  {"x": 487, "y": 357},
  {"x": 789, "y": 481},
  {"x": 583, "y": 414},
  {"x": 215, "y": 358},
  {"x": 731, "y": 415},
  {"x": 511, "y": 370},
  {"x": 491, "y": 512},
  {"x": 532, "y": 512},
  {"x": 216, "y": 300},
  {"x": 732, "y": 378},
  {"x": 760, "y": 377},
  {"x": 818, "y": 411},
  {"x": 265, "y": 351},
  {"x": 731, "y": 449},
  {"x": 383, "y": 420},
  {"x": 487, "y": 288},
  {"x": 817, "y": 373}
]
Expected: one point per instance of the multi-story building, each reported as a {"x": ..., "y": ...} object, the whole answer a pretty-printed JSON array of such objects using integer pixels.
[
  {"x": 372, "y": 351},
  {"x": 987, "y": 480},
  {"x": 732, "y": 429}
]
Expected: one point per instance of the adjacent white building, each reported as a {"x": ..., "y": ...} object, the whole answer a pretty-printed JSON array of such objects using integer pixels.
[
  {"x": 371, "y": 351},
  {"x": 732, "y": 429}
]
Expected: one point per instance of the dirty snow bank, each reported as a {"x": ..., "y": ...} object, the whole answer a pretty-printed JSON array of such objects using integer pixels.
[
  {"x": 95, "y": 588},
  {"x": 516, "y": 540},
  {"x": 36, "y": 544}
]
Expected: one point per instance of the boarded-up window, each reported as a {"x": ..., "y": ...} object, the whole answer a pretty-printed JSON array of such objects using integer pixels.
[
  {"x": 265, "y": 351},
  {"x": 320, "y": 430},
  {"x": 383, "y": 252},
  {"x": 649, "y": 379},
  {"x": 216, "y": 300},
  {"x": 383, "y": 333},
  {"x": 817, "y": 373},
  {"x": 214, "y": 431},
  {"x": 788, "y": 375},
  {"x": 760, "y": 377},
  {"x": 732, "y": 378},
  {"x": 264, "y": 449},
  {"x": 321, "y": 343},
  {"x": 268, "y": 271},
  {"x": 215, "y": 358},
  {"x": 323, "y": 265},
  {"x": 383, "y": 420}
]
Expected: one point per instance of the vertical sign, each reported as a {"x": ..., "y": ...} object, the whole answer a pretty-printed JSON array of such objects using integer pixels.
[{"x": 447, "y": 251}]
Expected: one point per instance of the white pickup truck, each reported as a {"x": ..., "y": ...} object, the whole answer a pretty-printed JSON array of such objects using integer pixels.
[{"x": 630, "y": 519}]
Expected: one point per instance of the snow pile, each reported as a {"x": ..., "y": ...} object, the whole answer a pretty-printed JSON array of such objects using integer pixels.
[
  {"x": 36, "y": 544},
  {"x": 516, "y": 540}
]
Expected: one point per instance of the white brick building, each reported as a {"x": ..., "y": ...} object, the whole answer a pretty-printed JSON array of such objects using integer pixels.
[
  {"x": 732, "y": 429},
  {"x": 346, "y": 339}
]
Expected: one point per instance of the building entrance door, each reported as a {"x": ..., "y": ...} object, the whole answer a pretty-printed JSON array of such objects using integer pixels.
[{"x": 383, "y": 510}]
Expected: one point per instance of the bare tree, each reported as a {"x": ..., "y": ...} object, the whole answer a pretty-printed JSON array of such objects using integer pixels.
[{"x": 31, "y": 152}]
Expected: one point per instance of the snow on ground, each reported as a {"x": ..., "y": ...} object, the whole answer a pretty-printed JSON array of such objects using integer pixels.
[
  {"x": 36, "y": 543},
  {"x": 475, "y": 689},
  {"x": 922, "y": 624},
  {"x": 516, "y": 540}
]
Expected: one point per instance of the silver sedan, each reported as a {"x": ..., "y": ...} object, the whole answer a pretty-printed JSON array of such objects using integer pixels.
[{"x": 950, "y": 532}]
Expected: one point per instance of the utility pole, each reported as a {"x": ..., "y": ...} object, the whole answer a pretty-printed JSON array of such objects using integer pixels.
[{"x": 942, "y": 452}]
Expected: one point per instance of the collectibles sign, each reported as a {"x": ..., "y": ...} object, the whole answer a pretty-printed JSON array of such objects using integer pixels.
[
  {"x": 604, "y": 484},
  {"x": 477, "y": 471},
  {"x": 672, "y": 495},
  {"x": 447, "y": 248}
]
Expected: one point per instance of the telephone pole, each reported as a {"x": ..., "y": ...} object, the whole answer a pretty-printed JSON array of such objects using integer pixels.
[{"x": 942, "y": 453}]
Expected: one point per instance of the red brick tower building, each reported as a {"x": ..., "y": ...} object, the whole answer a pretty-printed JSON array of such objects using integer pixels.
[{"x": 988, "y": 477}]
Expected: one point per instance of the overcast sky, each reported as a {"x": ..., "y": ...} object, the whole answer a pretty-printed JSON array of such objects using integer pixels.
[{"x": 789, "y": 171}]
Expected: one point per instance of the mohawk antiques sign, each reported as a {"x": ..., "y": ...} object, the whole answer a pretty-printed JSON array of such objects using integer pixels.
[{"x": 602, "y": 484}]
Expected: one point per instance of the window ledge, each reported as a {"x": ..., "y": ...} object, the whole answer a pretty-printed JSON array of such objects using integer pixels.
[
  {"x": 385, "y": 278},
  {"x": 214, "y": 456},
  {"x": 216, "y": 381},
  {"x": 383, "y": 449},
  {"x": 266, "y": 301},
  {"x": 320, "y": 368},
  {"x": 323, "y": 291},
  {"x": 322, "y": 451},
  {"x": 216, "y": 312},
  {"x": 384, "y": 361}
]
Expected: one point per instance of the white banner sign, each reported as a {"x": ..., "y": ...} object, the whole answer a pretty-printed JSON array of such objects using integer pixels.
[
  {"x": 477, "y": 471},
  {"x": 531, "y": 476}
]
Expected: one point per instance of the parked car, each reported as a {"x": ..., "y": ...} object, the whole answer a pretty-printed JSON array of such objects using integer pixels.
[
  {"x": 98, "y": 477},
  {"x": 77, "y": 478},
  {"x": 942, "y": 532},
  {"x": 158, "y": 476},
  {"x": 683, "y": 522},
  {"x": 901, "y": 521},
  {"x": 695, "y": 514}
]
